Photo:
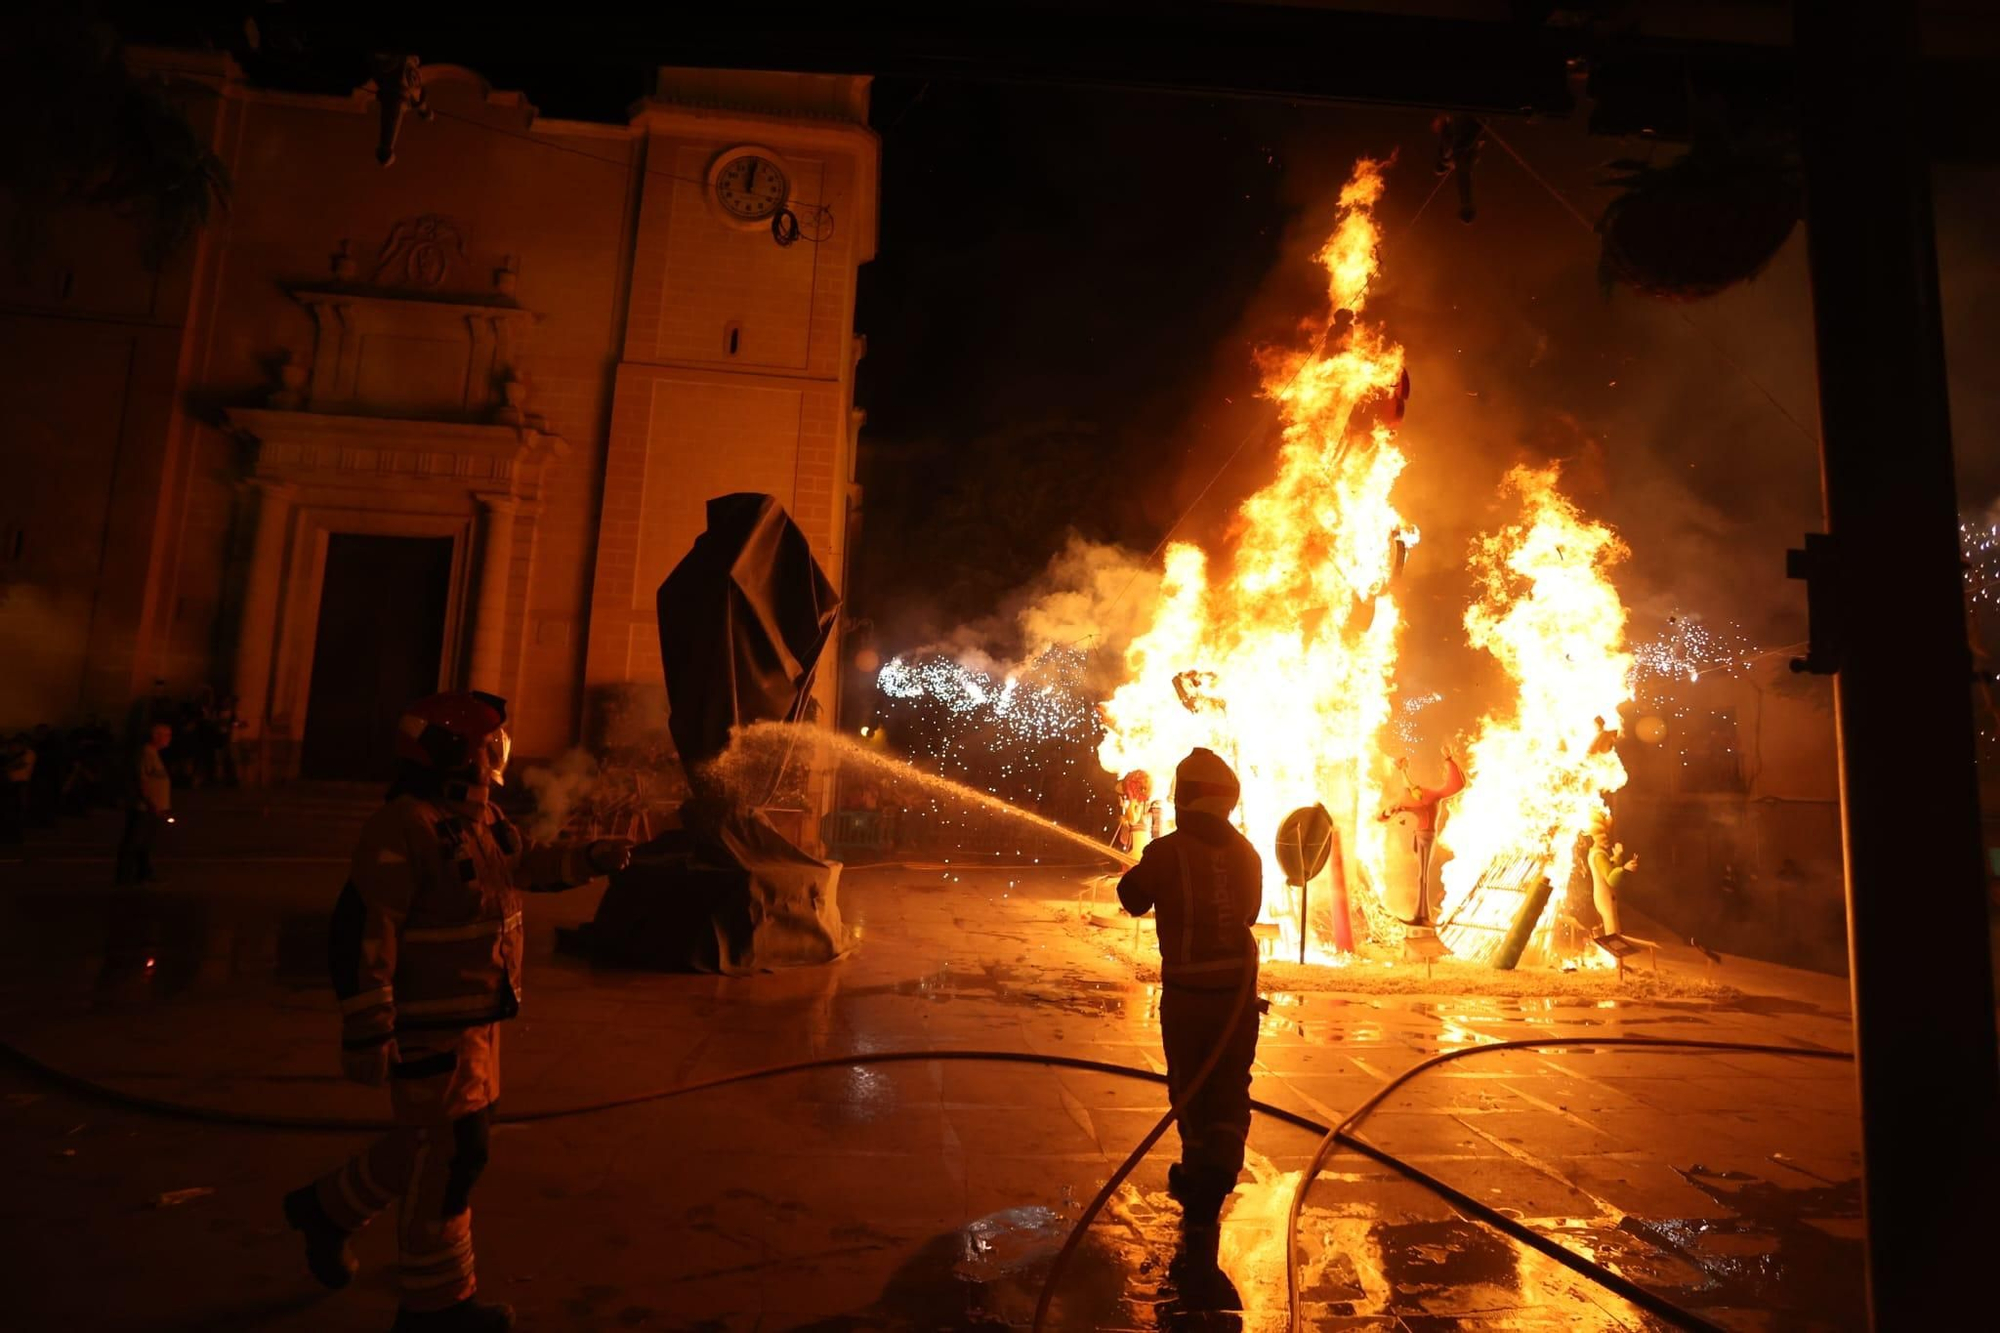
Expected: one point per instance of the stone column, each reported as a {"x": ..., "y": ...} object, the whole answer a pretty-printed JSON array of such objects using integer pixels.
[
  {"x": 489, "y": 616},
  {"x": 257, "y": 627}
]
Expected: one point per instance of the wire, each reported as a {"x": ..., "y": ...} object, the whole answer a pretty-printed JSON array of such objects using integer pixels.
[
  {"x": 1698, "y": 331},
  {"x": 1343, "y": 1133},
  {"x": 1439, "y": 185},
  {"x": 822, "y": 228}
]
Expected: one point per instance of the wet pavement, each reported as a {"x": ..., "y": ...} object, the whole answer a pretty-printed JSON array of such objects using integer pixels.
[{"x": 911, "y": 1195}]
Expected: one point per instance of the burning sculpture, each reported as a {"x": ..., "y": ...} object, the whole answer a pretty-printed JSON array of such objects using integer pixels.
[{"x": 1286, "y": 663}]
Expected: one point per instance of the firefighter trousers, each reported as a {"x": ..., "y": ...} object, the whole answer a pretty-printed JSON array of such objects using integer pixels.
[
  {"x": 443, "y": 1101},
  {"x": 1215, "y": 1121}
]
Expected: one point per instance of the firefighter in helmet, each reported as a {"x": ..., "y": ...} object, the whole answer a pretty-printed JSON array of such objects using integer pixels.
[
  {"x": 426, "y": 947},
  {"x": 1206, "y": 883}
]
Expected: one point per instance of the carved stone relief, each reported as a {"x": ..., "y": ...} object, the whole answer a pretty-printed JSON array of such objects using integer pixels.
[
  {"x": 419, "y": 252},
  {"x": 401, "y": 344}
]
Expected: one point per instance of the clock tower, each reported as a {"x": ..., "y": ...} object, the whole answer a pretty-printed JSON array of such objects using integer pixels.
[{"x": 752, "y": 217}]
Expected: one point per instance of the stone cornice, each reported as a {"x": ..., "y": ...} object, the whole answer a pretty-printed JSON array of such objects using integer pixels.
[
  {"x": 792, "y": 130},
  {"x": 301, "y": 448}
]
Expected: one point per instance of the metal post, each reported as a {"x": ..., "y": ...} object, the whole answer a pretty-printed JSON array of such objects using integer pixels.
[
  {"x": 1533, "y": 904},
  {"x": 1917, "y": 925},
  {"x": 1343, "y": 926},
  {"x": 1304, "y": 923}
]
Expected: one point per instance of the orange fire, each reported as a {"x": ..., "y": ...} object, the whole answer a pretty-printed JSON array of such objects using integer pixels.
[
  {"x": 1548, "y": 613},
  {"x": 1284, "y": 661}
]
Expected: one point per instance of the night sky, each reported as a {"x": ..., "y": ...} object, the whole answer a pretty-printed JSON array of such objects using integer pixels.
[{"x": 1058, "y": 279}]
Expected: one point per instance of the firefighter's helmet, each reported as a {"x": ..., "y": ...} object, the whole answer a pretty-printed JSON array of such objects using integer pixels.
[
  {"x": 1204, "y": 782},
  {"x": 459, "y": 734}
]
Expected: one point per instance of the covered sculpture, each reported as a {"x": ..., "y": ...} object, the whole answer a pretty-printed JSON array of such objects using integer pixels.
[{"x": 743, "y": 620}]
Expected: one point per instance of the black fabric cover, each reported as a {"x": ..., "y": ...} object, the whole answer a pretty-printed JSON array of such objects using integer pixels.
[
  {"x": 732, "y": 896},
  {"x": 743, "y": 619}
]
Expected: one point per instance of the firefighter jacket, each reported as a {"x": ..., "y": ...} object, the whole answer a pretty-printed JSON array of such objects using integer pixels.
[
  {"x": 1205, "y": 883},
  {"x": 427, "y": 933}
]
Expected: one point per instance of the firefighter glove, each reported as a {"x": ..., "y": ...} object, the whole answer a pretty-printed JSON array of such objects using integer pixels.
[{"x": 609, "y": 854}]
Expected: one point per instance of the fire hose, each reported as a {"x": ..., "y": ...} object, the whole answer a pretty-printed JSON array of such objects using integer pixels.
[{"x": 1342, "y": 1134}]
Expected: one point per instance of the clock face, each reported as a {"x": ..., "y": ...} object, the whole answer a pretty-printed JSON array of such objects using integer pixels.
[{"x": 751, "y": 187}]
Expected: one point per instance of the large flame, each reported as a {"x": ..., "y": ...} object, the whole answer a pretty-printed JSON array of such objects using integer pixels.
[
  {"x": 1284, "y": 661},
  {"x": 1547, "y": 611}
]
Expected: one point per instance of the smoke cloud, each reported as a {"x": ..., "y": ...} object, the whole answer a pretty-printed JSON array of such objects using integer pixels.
[
  {"x": 1093, "y": 598},
  {"x": 559, "y": 788}
]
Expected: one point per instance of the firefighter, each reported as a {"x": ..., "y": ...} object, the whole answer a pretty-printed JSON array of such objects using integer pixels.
[
  {"x": 425, "y": 947},
  {"x": 1205, "y": 882},
  {"x": 1422, "y": 807}
]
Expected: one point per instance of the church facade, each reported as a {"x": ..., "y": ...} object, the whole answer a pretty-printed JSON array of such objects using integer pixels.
[{"x": 445, "y": 423}]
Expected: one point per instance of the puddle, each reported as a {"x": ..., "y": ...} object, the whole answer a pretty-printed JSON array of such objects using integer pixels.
[
  {"x": 1009, "y": 1242},
  {"x": 1771, "y": 1255},
  {"x": 989, "y": 1272},
  {"x": 996, "y": 983}
]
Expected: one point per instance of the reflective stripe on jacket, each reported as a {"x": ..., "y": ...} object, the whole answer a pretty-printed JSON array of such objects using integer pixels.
[
  {"x": 427, "y": 933},
  {"x": 1205, "y": 884}
]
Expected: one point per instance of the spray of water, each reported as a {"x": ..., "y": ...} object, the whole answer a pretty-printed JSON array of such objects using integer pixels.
[{"x": 763, "y": 755}]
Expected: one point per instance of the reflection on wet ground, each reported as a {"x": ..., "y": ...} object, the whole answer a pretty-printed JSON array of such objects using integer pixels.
[{"x": 926, "y": 1195}]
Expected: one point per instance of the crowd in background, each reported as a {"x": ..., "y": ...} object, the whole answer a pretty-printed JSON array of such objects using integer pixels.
[{"x": 55, "y": 772}]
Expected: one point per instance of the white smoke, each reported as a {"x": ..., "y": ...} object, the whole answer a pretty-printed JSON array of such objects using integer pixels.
[
  {"x": 1092, "y": 599},
  {"x": 559, "y": 788}
]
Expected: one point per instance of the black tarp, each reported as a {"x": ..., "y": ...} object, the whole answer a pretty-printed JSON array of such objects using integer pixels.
[{"x": 743, "y": 620}]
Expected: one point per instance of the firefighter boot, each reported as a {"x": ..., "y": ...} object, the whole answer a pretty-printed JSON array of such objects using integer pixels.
[
  {"x": 468, "y": 1316},
  {"x": 327, "y": 1254}
]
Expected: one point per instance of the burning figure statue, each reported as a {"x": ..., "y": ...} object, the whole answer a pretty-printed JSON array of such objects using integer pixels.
[
  {"x": 1423, "y": 808},
  {"x": 1138, "y": 813},
  {"x": 1608, "y": 868}
]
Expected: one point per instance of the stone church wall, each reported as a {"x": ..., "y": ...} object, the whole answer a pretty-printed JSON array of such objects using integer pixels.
[{"x": 649, "y": 355}]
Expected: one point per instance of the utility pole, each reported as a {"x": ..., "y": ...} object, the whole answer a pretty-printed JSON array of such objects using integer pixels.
[{"x": 1888, "y": 578}]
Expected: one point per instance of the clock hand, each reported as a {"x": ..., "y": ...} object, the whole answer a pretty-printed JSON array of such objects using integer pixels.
[{"x": 750, "y": 177}]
